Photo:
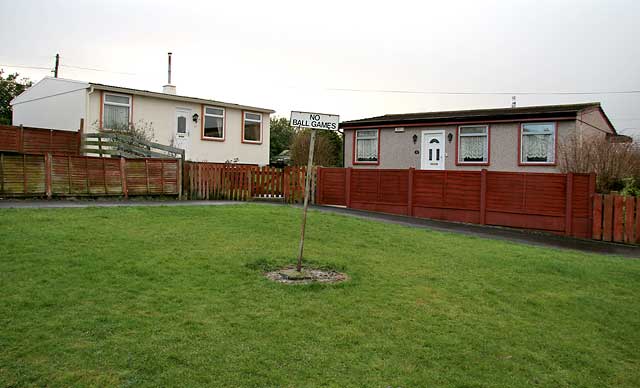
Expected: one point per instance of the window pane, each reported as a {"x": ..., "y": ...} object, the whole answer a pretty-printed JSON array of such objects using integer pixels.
[
  {"x": 367, "y": 150},
  {"x": 252, "y": 116},
  {"x": 182, "y": 124},
  {"x": 480, "y": 130},
  {"x": 368, "y": 134},
  {"x": 538, "y": 128},
  {"x": 116, "y": 99},
  {"x": 214, "y": 111},
  {"x": 116, "y": 117},
  {"x": 538, "y": 148},
  {"x": 251, "y": 131},
  {"x": 213, "y": 127},
  {"x": 473, "y": 149}
]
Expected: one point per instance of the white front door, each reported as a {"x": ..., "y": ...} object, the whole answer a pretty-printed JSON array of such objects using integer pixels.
[
  {"x": 432, "y": 150},
  {"x": 181, "y": 139}
]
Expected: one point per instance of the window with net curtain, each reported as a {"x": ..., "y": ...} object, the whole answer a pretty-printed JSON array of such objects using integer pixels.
[
  {"x": 538, "y": 143},
  {"x": 367, "y": 145},
  {"x": 473, "y": 144},
  {"x": 116, "y": 111},
  {"x": 213, "y": 123},
  {"x": 252, "y": 130}
]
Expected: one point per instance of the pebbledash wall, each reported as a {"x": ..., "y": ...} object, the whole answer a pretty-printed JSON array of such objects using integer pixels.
[{"x": 397, "y": 150}]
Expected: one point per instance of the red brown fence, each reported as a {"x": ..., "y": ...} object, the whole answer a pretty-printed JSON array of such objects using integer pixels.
[
  {"x": 28, "y": 175},
  {"x": 616, "y": 218},
  {"x": 559, "y": 203},
  {"x": 243, "y": 182},
  {"x": 39, "y": 140}
]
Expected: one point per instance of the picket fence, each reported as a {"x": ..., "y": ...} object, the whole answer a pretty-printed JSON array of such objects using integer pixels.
[
  {"x": 616, "y": 218},
  {"x": 244, "y": 182}
]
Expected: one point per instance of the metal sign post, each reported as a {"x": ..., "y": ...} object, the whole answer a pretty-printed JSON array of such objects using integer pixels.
[{"x": 312, "y": 121}]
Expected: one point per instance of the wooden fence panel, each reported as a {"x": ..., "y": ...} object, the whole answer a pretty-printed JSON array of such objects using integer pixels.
[
  {"x": 607, "y": 222},
  {"x": 559, "y": 203},
  {"x": 616, "y": 218},
  {"x": 629, "y": 218},
  {"x": 597, "y": 217},
  {"x": 56, "y": 175},
  {"x": 39, "y": 140},
  {"x": 332, "y": 186}
]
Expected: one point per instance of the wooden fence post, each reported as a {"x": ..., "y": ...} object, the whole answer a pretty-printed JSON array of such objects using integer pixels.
[
  {"x": 24, "y": 172},
  {"x": 80, "y": 133},
  {"x": 123, "y": 177},
  {"x": 410, "y": 191},
  {"x": 483, "y": 196},
  {"x": 568, "y": 205},
  {"x": 21, "y": 143},
  {"x": 347, "y": 187},
  {"x": 592, "y": 193},
  {"x": 1, "y": 173},
  {"x": 47, "y": 174},
  {"x": 179, "y": 178},
  {"x": 318, "y": 186}
]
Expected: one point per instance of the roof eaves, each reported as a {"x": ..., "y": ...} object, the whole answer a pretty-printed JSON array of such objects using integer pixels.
[{"x": 175, "y": 97}]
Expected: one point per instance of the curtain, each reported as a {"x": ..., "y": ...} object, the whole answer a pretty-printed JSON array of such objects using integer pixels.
[
  {"x": 367, "y": 150},
  {"x": 472, "y": 148},
  {"x": 537, "y": 148},
  {"x": 116, "y": 117}
]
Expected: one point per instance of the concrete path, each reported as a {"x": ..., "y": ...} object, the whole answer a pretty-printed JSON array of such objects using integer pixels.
[{"x": 491, "y": 232}]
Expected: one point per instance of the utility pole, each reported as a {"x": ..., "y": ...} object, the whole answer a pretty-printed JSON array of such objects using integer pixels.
[{"x": 55, "y": 71}]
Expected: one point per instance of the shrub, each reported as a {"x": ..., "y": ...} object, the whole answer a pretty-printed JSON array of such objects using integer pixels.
[{"x": 617, "y": 165}]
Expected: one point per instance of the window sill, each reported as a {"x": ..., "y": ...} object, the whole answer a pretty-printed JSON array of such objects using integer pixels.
[
  {"x": 251, "y": 142},
  {"x": 472, "y": 164},
  {"x": 542, "y": 164},
  {"x": 376, "y": 163},
  {"x": 219, "y": 139}
]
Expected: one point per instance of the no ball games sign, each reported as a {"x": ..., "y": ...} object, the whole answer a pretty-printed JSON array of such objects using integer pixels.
[{"x": 314, "y": 120}]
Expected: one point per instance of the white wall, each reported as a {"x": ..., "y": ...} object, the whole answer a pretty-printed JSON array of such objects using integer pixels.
[
  {"x": 51, "y": 103},
  {"x": 161, "y": 114}
]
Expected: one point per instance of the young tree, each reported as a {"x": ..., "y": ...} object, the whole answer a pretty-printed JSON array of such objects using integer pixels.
[
  {"x": 281, "y": 135},
  {"x": 328, "y": 149},
  {"x": 10, "y": 87}
]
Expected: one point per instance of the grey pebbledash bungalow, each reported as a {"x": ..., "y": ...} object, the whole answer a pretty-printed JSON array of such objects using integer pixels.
[{"x": 508, "y": 139}]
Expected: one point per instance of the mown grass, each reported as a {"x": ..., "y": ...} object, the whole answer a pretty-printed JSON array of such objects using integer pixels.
[{"x": 174, "y": 296}]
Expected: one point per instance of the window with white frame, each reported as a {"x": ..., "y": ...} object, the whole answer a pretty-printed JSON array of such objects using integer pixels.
[
  {"x": 252, "y": 131},
  {"x": 473, "y": 144},
  {"x": 367, "y": 145},
  {"x": 538, "y": 143},
  {"x": 116, "y": 111},
  {"x": 213, "y": 123}
]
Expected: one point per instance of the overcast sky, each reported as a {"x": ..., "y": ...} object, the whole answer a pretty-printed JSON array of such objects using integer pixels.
[{"x": 293, "y": 55}]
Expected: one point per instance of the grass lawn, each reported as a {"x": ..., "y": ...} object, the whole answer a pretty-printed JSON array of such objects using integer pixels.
[{"x": 175, "y": 297}]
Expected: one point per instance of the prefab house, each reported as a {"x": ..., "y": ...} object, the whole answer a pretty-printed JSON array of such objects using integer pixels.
[
  {"x": 512, "y": 139},
  {"x": 208, "y": 130}
]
